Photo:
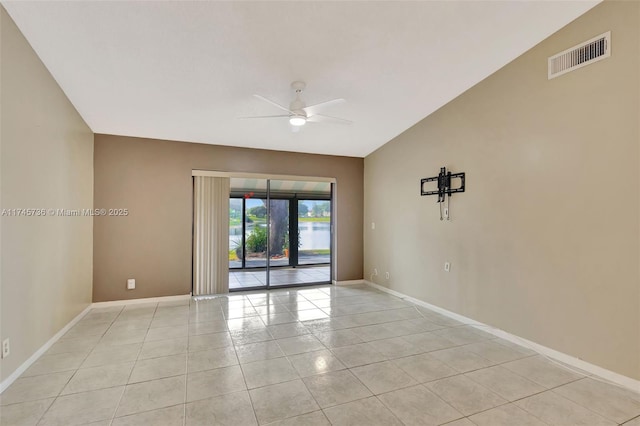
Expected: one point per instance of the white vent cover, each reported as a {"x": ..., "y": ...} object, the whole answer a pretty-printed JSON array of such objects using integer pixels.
[{"x": 586, "y": 53}]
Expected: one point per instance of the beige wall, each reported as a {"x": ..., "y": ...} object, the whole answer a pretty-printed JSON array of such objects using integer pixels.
[
  {"x": 152, "y": 178},
  {"x": 544, "y": 243},
  {"x": 46, "y": 162}
]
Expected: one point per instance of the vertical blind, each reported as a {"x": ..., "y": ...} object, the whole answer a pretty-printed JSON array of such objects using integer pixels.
[{"x": 210, "y": 235}]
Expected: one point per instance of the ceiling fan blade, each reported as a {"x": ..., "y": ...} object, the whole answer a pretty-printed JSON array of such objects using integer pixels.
[
  {"x": 275, "y": 104},
  {"x": 328, "y": 119},
  {"x": 265, "y": 116},
  {"x": 311, "y": 108}
]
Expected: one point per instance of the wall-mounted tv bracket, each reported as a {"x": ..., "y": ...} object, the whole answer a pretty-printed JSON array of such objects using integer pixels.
[{"x": 444, "y": 187}]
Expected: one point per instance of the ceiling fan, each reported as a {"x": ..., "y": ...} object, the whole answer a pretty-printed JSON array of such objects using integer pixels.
[{"x": 299, "y": 114}]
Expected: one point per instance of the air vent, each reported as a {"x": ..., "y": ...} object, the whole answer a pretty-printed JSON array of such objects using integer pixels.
[{"x": 586, "y": 53}]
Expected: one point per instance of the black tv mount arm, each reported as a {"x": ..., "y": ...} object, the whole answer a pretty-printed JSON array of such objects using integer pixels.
[{"x": 444, "y": 184}]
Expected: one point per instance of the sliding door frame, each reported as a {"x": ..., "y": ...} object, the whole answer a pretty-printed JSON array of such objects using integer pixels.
[
  {"x": 268, "y": 248},
  {"x": 269, "y": 178}
]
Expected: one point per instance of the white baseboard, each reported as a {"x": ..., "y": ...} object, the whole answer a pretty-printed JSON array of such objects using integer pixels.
[
  {"x": 37, "y": 354},
  {"x": 137, "y": 301},
  {"x": 611, "y": 376},
  {"x": 348, "y": 282}
]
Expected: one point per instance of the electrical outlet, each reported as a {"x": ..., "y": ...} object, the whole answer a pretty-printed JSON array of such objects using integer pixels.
[
  {"x": 131, "y": 284},
  {"x": 447, "y": 266},
  {"x": 386, "y": 275},
  {"x": 375, "y": 271},
  {"x": 373, "y": 225},
  {"x": 6, "y": 349}
]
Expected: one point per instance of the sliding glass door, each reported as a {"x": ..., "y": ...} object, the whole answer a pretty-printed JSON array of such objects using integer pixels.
[
  {"x": 279, "y": 233},
  {"x": 236, "y": 232},
  {"x": 314, "y": 226},
  {"x": 255, "y": 225},
  {"x": 248, "y": 228}
]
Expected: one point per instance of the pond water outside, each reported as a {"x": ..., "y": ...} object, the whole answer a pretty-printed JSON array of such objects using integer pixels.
[{"x": 313, "y": 235}]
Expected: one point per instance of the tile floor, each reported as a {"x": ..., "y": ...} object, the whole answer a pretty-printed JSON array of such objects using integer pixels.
[
  {"x": 279, "y": 277},
  {"x": 309, "y": 356}
]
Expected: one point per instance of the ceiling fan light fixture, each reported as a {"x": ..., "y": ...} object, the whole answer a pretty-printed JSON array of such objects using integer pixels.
[
  {"x": 298, "y": 113},
  {"x": 297, "y": 120}
]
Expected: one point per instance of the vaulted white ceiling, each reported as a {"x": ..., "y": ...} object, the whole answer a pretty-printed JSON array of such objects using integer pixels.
[{"x": 185, "y": 70}]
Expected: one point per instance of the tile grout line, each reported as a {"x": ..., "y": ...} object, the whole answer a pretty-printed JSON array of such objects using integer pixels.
[
  {"x": 631, "y": 419},
  {"x": 124, "y": 388},
  {"x": 76, "y": 370},
  {"x": 186, "y": 371},
  {"x": 255, "y": 416}
]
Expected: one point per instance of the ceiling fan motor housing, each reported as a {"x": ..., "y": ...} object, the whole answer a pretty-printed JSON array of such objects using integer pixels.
[
  {"x": 298, "y": 86},
  {"x": 297, "y": 106}
]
